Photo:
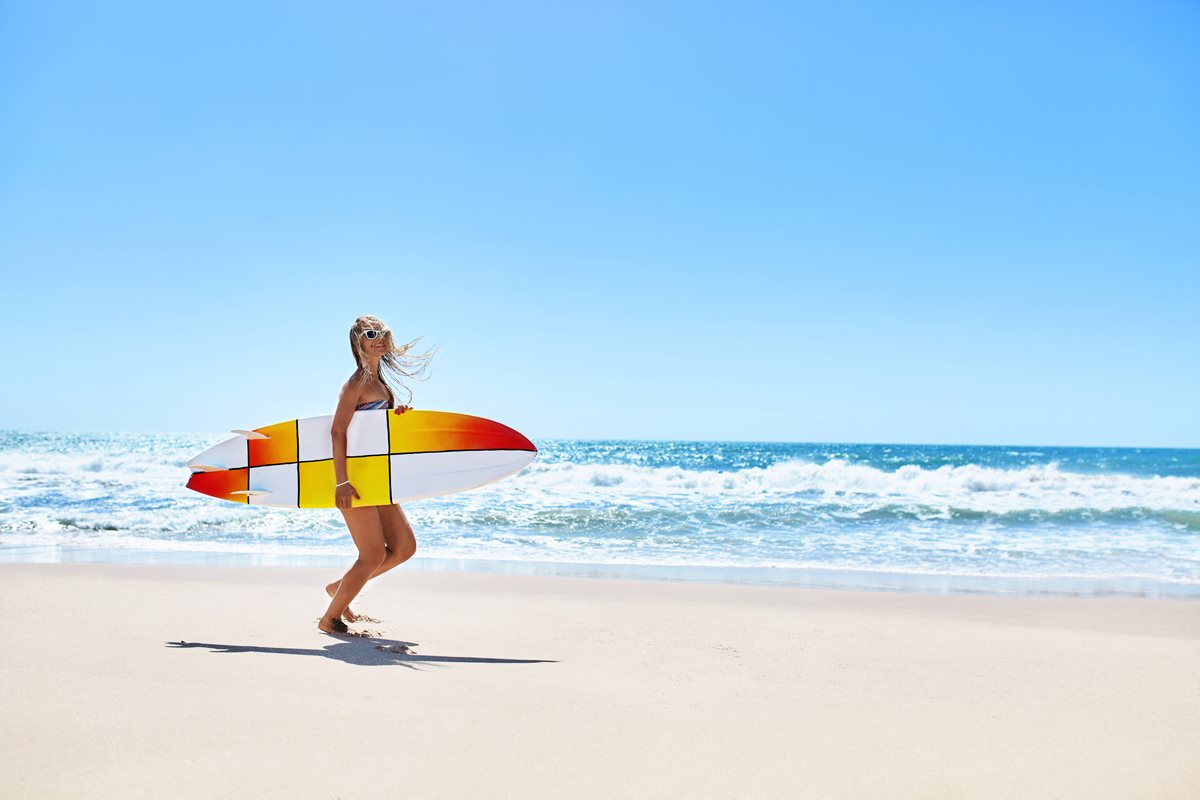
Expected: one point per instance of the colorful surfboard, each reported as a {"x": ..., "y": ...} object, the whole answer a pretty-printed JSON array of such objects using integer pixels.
[{"x": 390, "y": 458}]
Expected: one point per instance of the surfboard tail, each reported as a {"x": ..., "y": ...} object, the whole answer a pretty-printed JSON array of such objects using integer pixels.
[{"x": 226, "y": 484}]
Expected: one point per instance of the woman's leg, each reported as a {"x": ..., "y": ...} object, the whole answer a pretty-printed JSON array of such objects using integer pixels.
[
  {"x": 367, "y": 532},
  {"x": 399, "y": 538},
  {"x": 398, "y": 535}
]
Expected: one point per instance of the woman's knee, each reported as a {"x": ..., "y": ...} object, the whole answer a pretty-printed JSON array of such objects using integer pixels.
[
  {"x": 373, "y": 557},
  {"x": 399, "y": 534},
  {"x": 403, "y": 552},
  {"x": 407, "y": 548}
]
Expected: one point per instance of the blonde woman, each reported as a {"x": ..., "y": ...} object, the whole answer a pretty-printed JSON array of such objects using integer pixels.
[{"x": 381, "y": 533}]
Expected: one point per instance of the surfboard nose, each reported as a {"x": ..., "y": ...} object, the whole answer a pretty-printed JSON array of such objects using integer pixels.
[
  {"x": 505, "y": 438},
  {"x": 442, "y": 431}
]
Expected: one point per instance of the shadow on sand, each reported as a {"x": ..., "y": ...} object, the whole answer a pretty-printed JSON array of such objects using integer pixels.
[{"x": 362, "y": 652}]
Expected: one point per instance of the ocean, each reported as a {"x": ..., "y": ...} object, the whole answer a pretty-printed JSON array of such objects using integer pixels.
[{"x": 931, "y": 518}]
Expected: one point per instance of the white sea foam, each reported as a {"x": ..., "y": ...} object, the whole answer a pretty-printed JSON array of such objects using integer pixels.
[
  {"x": 141, "y": 488},
  {"x": 969, "y": 487}
]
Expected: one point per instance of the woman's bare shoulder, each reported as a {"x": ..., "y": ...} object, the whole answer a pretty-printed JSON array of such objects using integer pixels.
[{"x": 354, "y": 383}]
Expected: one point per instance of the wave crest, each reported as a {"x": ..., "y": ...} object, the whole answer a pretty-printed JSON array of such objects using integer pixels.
[{"x": 842, "y": 483}]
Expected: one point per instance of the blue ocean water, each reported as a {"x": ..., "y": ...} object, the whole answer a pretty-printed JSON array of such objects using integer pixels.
[{"x": 920, "y": 517}]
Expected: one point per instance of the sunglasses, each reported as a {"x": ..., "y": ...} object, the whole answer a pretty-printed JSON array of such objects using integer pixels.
[{"x": 373, "y": 333}]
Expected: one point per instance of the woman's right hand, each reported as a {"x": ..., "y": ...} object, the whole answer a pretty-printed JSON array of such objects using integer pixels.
[{"x": 344, "y": 494}]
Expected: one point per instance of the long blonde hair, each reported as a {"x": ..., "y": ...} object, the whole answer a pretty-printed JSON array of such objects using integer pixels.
[{"x": 397, "y": 362}]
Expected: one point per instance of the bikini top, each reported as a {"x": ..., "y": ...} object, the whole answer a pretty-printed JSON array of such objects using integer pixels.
[{"x": 374, "y": 404}]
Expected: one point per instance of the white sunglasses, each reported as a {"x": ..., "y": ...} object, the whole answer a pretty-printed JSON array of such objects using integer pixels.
[{"x": 373, "y": 333}]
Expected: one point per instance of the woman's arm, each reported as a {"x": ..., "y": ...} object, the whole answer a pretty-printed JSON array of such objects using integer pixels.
[{"x": 347, "y": 400}]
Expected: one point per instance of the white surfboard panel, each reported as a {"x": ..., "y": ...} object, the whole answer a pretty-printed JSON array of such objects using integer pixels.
[
  {"x": 419, "y": 475},
  {"x": 229, "y": 454},
  {"x": 279, "y": 483}
]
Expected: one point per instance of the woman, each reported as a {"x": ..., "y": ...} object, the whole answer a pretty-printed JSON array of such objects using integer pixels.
[{"x": 381, "y": 533}]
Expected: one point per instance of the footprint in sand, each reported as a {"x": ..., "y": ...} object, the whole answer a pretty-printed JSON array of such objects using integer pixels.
[{"x": 366, "y": 634}]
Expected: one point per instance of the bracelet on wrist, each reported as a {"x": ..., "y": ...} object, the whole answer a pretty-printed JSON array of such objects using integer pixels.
[{"x": 343, "y": 483}]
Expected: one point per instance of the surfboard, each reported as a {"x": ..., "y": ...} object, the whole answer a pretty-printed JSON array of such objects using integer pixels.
[{"x": 390, "y": 458}]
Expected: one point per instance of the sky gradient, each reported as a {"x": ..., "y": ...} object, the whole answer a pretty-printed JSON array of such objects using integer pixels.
[{"x": 860, "y": 222}]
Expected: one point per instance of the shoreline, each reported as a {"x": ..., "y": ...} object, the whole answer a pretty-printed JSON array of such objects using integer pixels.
[
  {"x": 214, "y": 680},
  {"x": 822, "y": 578}
]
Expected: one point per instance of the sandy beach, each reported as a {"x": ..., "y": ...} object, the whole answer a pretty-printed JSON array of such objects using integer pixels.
[{"x": 204, "y": 681}]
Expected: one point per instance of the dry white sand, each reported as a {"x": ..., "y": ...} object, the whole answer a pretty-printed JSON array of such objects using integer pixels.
[{"x": 152, "y": 681}]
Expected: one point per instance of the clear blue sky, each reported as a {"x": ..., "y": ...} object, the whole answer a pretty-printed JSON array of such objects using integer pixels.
[{"x": 888, "y": 222}]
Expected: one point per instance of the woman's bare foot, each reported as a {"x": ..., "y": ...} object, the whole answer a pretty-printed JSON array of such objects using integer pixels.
[
  {"x": 331, "y": 625},
  {"x": 331, "y": 590}
]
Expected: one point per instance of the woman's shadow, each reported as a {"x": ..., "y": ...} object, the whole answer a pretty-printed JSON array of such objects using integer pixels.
[{"x": 363, "y": 652}]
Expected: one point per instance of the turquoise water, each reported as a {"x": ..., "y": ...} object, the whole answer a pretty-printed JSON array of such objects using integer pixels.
[{"x": 957, "y": 518}]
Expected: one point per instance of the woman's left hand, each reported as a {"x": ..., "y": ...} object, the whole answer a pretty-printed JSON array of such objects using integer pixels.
[{"x": 402, "y": 409}]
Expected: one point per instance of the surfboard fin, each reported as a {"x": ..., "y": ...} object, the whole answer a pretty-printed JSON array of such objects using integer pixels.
[
  {"x": 250, "y": 434},
  {"x": 204, "y": 468}
]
